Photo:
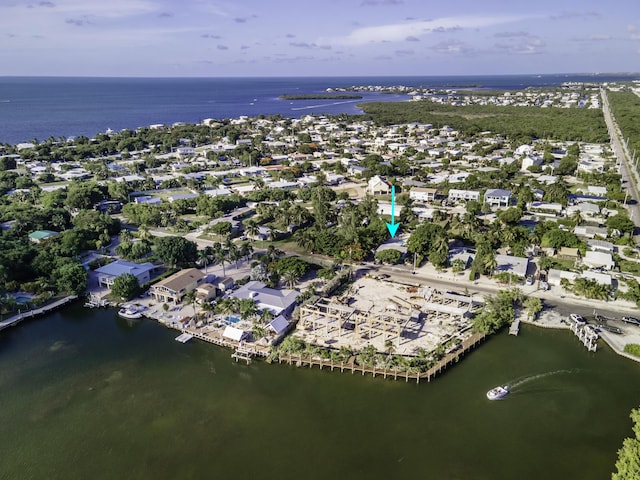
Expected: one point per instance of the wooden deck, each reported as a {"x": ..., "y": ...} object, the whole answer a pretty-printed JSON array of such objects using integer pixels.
[
  {"x": 11, "y": 321},
  {"x": 350, "y": 365}
]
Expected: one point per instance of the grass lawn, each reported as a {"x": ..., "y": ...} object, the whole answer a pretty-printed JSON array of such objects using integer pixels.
[{"x": 165, "y": 195}]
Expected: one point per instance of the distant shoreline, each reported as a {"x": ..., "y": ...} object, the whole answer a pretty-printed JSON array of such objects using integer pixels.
[{"x": 321, "y": 96}]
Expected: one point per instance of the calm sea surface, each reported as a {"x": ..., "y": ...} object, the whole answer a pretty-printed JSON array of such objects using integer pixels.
[
  {"x": 40, "y": 107},
  {"x": 85, "y": 395}
]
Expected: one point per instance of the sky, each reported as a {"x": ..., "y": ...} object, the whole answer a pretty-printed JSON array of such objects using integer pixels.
[{"x": 209, "y": 38}]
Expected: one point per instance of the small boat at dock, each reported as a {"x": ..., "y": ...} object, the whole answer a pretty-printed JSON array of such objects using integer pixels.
[
  {"x": 131, "y": 312},
  {"x": 498, "y": 392}
]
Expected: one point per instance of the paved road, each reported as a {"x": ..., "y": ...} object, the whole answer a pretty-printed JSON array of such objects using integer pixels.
[{"x": 629, "y": 174}]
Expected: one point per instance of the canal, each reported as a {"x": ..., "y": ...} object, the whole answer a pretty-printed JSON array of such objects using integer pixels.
[{"x": 88, "y": 395}]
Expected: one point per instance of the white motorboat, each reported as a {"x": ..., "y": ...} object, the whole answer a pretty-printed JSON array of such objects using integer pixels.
[
  {"x": 131, "y": 311},
  {"x": 498, "y": 392}
]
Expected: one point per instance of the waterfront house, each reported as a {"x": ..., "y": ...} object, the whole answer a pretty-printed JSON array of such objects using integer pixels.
[
  {"x": 108, "y": 273},
  {"x": 173, "y": 289},
  {"x": 278, "y": 302},
  {"x": 225, "y": 284},
  {"x": 205, "y": 292}
]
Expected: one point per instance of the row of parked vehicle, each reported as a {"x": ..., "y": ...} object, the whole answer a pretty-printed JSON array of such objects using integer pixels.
[{"x": 602, "y": 322}]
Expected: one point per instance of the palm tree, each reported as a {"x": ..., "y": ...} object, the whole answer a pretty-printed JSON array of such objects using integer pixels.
[
  {"x": 305, "y": 239},
  {"x": 125, "y": 236},
  {"x": 143, "y": 232},
  {"x": 251, "y": 228},
  {"x": 208, "y": 308},
  {"x": 204, "y": 259},
  {"x": 291, "y": 277},
  {"x": 577, "y": 217},
  {"x": 247, "y": 308},
  {"x": 246, "y": 250},
  {"x": 490, "y": 264},
  {"x": 192, "y": 299},
  {"x": 220, "y": 256},
  {"x": 235, "y": 254}
]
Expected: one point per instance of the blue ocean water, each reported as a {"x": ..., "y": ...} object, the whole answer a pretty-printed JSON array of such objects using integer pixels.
[{"x": 40, "y": 107}]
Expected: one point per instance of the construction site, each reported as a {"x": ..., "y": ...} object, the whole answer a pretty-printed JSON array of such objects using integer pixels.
[{"x": 391, "y": 317}]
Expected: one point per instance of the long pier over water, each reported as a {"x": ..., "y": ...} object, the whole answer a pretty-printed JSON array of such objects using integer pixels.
[{"x": 14, "y": 320}]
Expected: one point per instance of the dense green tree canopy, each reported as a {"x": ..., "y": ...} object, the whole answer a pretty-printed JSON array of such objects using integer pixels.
[
  {"x": 125, "y": 286},
  {"x": 176, "y": 251},
  {"x": 628, "y": 463}
]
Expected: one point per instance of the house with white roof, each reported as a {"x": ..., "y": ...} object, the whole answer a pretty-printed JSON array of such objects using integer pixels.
[
  {"x": 466, "y": 195},
  {"x": 421, "y": 194},
  {"x": 108, "y": 273},
  {"x": 497, "y": 197},
  {"x": 378, "y": 186},
  {"x": 595, "y": 259},
  {"x": 530, "y": 161},
  {"x": 278, "y": 302},
  {"x": 518, "y": 266}
]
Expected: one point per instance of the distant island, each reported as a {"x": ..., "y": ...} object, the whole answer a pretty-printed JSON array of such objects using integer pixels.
[{"x": 321, "y": 96}]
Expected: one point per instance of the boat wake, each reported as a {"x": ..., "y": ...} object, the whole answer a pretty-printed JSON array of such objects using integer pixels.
[
  {"x": 326, "y": 104},
  {"x": 518, "y": 382}
]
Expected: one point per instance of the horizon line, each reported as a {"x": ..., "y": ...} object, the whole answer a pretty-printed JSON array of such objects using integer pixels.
[{"x": 594, "y": 74}]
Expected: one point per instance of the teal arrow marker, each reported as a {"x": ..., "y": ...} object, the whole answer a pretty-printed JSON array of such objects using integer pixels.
[{"x": 393, "y": 226}]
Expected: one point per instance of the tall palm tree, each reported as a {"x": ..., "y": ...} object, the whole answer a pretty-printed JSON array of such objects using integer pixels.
[
  {"x": 247, "y": 308},
  {"x": 246, "y": 249},
  {"x": 192, "y": 299},
  {"x": 220, "y": 256},
  {"x": 251, "y": 228},
  {"x": 490, "y": 264},
  {"x": 125, "y": 236},
  {"x": 234, "y": 254},
  {"x": 143, "y": 232},
  {"x": 577, "y": 217},
  {"x": 291, "y": 277},
  {"x": 204, "y": 259},
  {"x": 305, "y": 239}
]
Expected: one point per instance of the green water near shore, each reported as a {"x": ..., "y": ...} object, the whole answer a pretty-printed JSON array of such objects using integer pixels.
[{"x": 84, "y": 395}]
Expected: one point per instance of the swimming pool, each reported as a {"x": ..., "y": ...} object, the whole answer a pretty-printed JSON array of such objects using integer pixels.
[
  {"x": 231, "y": 320},
  {"x": 23, "y": 299}
]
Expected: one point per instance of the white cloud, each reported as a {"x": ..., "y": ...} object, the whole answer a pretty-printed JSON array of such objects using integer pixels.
[
  {"x": 527, "y": 46},
  {"x": 396, "y": 32},
  {"x": 593, "y": 38},
  {"x": 452, "y": 47}
]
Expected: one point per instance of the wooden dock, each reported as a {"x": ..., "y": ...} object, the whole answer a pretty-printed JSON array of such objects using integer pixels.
[
  {"x": 514, "y": 328},
  {"x": 11, "y": 321},
  {"x": 184, "y": 337},
  {"x": 395, "y": 374}
]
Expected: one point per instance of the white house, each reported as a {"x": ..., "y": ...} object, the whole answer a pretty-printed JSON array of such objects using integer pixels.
[
  {"x": 378, "y": 186},
  {"x": 530, "y": 161},
  {"x": 466, "y": 195},
  {"x": 497, "y": 197},
  {"x": 278, "y": 302},
  {"x": 509, "y": 264},
  {"x": 423, "y": 194},
  {"x": 108, "y": 273},
  {"x": 599, "y": 259}
]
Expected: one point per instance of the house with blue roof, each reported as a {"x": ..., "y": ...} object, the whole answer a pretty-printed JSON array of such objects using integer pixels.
[
  {"x": 278, "y": 302},
  {"x": 108, "y": 273}
]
